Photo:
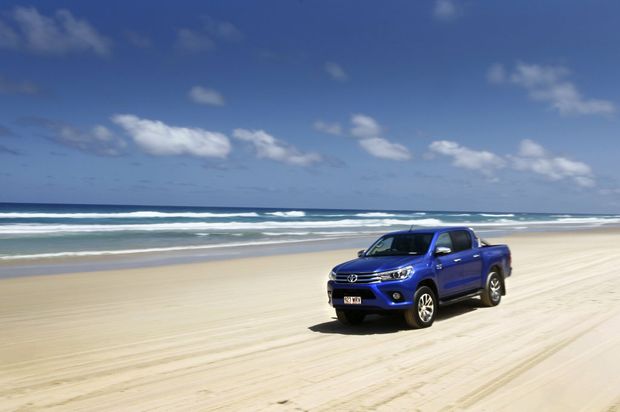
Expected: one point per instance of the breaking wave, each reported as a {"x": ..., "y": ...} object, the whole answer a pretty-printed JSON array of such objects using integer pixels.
[
  {"x": 292, "y": 213},
  {"x": 123, "y": 215}
]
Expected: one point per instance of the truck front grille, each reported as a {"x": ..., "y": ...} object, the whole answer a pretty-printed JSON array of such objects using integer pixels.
[{"x": 357, "y": 278}]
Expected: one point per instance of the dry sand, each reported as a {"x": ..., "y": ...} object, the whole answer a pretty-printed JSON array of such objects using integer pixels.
[{"x": 257, "y": 334}]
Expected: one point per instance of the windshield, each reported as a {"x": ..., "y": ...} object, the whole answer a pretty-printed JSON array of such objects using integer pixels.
[{"x": 401, "y": 245}]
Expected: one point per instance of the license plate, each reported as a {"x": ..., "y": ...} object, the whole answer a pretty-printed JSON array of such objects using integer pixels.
[{"x": 352, "y": 300}]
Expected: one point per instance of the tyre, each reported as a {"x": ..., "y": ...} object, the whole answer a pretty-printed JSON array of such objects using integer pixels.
[
  {"x": 422, "y": 314},
  {"x": 350, "y": 317},
  {"x": 492, "y": 294}
]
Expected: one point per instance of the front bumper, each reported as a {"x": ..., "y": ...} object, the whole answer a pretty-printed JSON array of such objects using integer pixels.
[{"x": 375, "y": 296}]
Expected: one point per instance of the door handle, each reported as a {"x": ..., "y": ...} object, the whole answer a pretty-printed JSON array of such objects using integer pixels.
[
  {"x": 457, "y": 260},
  {"x": 476, "y": 256}
]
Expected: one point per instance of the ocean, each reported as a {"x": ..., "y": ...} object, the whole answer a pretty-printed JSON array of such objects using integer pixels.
[{"x": 33, "y": 231}]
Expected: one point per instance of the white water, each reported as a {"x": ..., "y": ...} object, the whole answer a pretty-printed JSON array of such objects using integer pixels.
[
  {"x": 34, "y": 228},
  {"x": 122, "y": 215},
  {"x": 205, "y": 227},
  {"x": 292, "y": 213}
]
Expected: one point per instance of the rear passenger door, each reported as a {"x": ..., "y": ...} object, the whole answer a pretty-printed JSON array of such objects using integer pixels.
[{"x": 468, "y": 259}]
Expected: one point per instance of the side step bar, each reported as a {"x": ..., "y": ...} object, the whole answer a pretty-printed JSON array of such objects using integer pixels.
[{"x": 461, "y": 298}]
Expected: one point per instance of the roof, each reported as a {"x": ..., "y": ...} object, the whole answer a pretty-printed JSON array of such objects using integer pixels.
[{"x": 429, "y": 230}]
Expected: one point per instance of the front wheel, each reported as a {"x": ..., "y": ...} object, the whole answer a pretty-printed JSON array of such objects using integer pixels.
[
  {"x": 350, "y": 317},
  {"x": 422, "y": 314},
  {"x": 492, "y": 294}
]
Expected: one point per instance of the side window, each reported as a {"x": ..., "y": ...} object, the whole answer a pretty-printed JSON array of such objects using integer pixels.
[
  {"x": 444, "y": 240},
  {"x": 461, "y": 240}
]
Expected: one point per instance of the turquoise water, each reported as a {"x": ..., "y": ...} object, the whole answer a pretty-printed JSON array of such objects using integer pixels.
[{"x": 56, "y": 230}]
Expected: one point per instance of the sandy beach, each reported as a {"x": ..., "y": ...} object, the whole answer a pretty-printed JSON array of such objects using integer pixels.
[{"x": 258, "y": 334}]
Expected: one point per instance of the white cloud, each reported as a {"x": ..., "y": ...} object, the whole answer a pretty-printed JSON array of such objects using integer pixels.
[
  {"x": 160, "y": 139},
  {"x": 445, "y": 10},
  {"x": 384, "y": 149},
  {"x": 534, "y": 158},
  {"x": 98, "y": 140},
  {"x": 202, "y": 95},
  {"x": 103, "y": 134},
  {"x": 531, "y": 157},
  {"x": 268, "y": 147},
  {"x": 58, "y": 34},
  {"x": 369, "y": 132},
  {"x": 364, "y": 126},
  {"x": 193, "y": 41},
  {"x": 548, "y": 84},
  {"x": 482, "y": 161},
  {"x": 529, "y": 148},
  {"x": 336, "y": 71},
  {"x": 329, "y": 128}
]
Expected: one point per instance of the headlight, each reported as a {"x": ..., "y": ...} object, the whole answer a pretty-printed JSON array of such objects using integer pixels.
[
  {"x": 399, "y": 274},
  {"x": 332, "y": 275}
]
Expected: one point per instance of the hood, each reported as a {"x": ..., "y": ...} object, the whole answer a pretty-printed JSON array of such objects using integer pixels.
[{"x": 377, "y": 264}]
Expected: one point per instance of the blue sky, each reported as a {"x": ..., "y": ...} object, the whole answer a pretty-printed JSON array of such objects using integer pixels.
[{"x": 441, "y": 105}]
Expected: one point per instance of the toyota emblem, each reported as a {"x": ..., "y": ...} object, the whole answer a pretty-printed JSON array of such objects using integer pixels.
[{"x": 352, "y": 278}]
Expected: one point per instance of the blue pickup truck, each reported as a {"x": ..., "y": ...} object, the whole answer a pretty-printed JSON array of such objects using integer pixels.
[{"x": 417, "y": 271}]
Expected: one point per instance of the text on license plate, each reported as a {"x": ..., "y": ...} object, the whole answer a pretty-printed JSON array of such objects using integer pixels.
[{"x": 352, "y": 300}]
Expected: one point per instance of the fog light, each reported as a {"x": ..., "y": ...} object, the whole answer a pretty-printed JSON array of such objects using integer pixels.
[{"x": 396, "y": 296}]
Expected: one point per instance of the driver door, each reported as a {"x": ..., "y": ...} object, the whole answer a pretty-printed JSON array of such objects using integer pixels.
[{"x": 447, "y": 270}]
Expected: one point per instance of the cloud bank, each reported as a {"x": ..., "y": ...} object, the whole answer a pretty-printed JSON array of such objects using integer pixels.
[
  {"x": 482, "y": 161},
  {"x": 534, "y": 158},
  {"x": 268, "y": 147},
  {"x": 159, "y": 139},
  {"x": 98, "y": 140},
  {"x": 531, "y": 157},
  {"x": 369, "y": 132},
  {"x": 58, "y": 34}
]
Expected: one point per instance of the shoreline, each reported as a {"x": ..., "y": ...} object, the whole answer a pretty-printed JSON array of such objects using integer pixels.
[
  {"x": 56, "y": 238},
  {"x": 55, "y": 266},
  {"x": 225, "y": 252}
]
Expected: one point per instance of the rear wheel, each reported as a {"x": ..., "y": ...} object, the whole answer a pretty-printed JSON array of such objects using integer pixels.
[
  {"x": 422, "y": 314},
  {"x": 492, "y": 294},
  {"x": 350, "y": 317}
]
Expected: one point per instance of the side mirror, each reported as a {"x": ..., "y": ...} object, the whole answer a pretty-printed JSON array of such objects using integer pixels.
[
  {"x": 442, "y": 250},
  {"x": 360, "y": 253}
]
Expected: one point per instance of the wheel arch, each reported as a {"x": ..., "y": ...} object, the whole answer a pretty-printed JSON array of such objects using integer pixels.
[
  {"x": 429, "y": 282},
  {"x": 496, "y": 267}
]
